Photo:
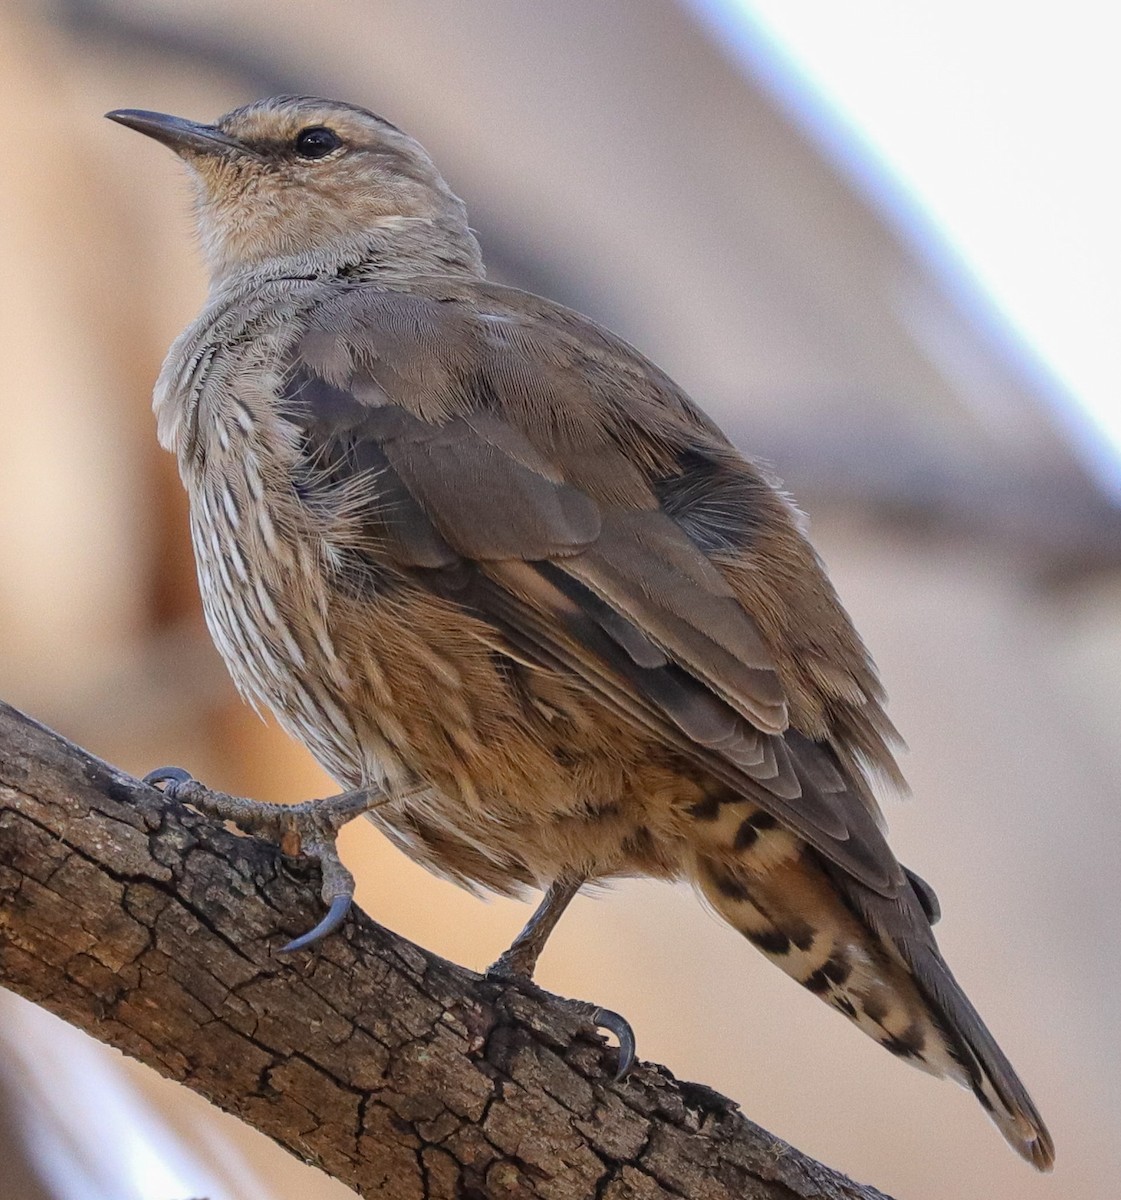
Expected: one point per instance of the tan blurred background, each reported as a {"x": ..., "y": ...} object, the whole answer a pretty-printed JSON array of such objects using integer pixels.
[{"x": 614, "y": 157}]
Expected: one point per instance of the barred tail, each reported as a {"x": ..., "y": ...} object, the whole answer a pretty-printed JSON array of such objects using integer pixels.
[
  {"x": 873, "y": 959},
  {"x": 989, "y": 1073}
]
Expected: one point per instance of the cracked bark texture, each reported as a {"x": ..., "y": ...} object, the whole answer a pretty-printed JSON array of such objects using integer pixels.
[{"x": 402, "y": 1075}]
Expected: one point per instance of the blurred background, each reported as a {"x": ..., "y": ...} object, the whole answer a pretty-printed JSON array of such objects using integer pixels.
[{"x": 879, "y": 243}]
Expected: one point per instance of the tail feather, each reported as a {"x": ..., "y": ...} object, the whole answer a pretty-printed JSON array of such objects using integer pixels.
[
  {"x": 991, "y": 1076},
  {"x": 873, "y": 959},
  {"x": 902, "y": 925}
]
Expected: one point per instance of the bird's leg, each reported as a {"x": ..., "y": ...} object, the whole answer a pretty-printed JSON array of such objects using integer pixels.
[
  {"x": 520, "y": 960},
  {"x": 310, "y": 828},
  {"x": 518, "y": 963}
]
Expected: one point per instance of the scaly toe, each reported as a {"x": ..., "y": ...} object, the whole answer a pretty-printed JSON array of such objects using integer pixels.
[
  {"x": 510, "y": 968},
  {"x": 309, "y": 829},
  {"x": 604, "y": 1019}
]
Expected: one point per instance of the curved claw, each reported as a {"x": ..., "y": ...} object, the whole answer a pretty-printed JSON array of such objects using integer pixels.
[
  {"x": 336, "y": 914},
  {"x": 605, "y": 1018},
  {"x": 167, "y": 775}
]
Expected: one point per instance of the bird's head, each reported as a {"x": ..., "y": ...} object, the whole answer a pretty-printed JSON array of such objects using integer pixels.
[{"x": 315, "y": 185}]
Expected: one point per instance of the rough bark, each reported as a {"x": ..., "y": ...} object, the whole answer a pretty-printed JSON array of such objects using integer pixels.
[{"x": 404, "y": 1076}]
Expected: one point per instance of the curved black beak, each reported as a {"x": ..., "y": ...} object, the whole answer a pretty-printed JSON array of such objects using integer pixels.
[{"x": 183, "y": 136}]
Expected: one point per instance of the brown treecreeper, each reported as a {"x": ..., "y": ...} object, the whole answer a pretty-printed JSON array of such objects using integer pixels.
[{"x": 519, "y": 595}]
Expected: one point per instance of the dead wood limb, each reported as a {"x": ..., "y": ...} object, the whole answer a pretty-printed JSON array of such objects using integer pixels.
[{"x": 402, "y": 1075}]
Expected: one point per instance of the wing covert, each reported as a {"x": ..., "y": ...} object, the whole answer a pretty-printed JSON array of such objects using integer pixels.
[{"x": 588, "y": 574}]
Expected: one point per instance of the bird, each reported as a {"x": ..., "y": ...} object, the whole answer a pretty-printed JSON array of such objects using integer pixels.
[{"x": 519, "y": 595}]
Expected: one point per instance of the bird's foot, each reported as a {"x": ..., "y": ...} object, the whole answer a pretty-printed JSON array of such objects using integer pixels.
[
  {"x": 515, "y": 965},
  {"x": 310, "y": 828},
  {"x": 615, "y": 1024},
  {"x": 508, "y": 971}
]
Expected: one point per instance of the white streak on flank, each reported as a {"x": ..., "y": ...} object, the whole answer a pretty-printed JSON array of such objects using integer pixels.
[
  {"x": 268, "y": 608},
  {"x": 268, "y": 530},
  {"x": 311, "y": 713},
  {"x": 244, "y": 417},
  {"x": 232, "y": 515},
  {"x": 252, "y": 659},
  {"x": 251, "y": 470},
  {"x": 268, "y": 672},
  {"x": 331, "y": 659},
  {"x": 292, "y": 647},
  {"x": 333, "y": 556},
  {"x": 223, "y": 569},
  {"x": 200, "y": 521},
  {"x": 221, "y": 633},
  {"x": 335, "y": 715},
  {"x": 238, "y": 562}
]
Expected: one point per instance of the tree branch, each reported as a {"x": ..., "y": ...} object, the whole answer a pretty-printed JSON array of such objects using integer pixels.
[{"x": 402, "y": 1075}]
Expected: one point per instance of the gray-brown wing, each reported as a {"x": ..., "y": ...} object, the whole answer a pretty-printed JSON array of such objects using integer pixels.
[{"x": 499, "y": 473}]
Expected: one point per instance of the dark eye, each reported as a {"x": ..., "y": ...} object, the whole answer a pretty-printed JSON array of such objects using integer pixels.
[{"x": 316, "y": 142}]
